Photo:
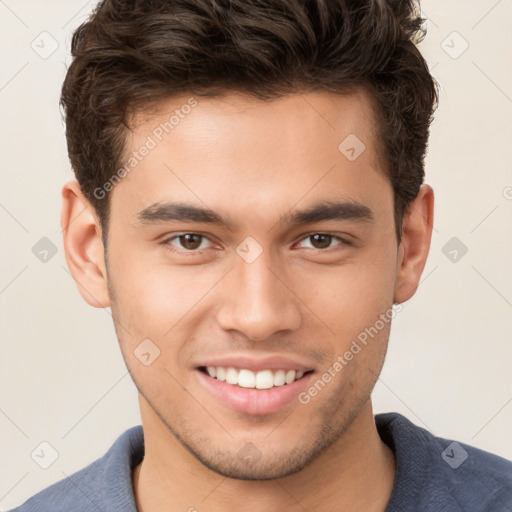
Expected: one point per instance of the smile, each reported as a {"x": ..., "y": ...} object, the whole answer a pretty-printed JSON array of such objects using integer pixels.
[
  {"x": 244, "y": 378},
  {"x": 260, "y": 392}
]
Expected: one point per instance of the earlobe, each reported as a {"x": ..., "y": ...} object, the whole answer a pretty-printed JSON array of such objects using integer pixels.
[
  {"x": 415, "y": 244},
  {"x": 83, "y": 245}
]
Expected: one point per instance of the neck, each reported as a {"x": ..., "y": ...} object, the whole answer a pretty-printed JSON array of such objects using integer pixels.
[{"x": 355, "y": 473}]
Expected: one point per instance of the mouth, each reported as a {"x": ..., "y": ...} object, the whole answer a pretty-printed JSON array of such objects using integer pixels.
[
  {"x": 252, "y": 392},
  {"x": 245, "y": 378}
]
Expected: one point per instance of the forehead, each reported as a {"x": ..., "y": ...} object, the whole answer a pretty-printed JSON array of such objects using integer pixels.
[
  {"x": 239, "y": 151},
  {"x": 242, "y": 116}
]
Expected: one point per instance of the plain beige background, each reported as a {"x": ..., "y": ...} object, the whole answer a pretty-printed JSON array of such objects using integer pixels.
[{"x": 63, "y": 381}]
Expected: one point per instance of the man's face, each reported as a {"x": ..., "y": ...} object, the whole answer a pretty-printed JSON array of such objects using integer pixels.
[{"x": 269, "y": 291}]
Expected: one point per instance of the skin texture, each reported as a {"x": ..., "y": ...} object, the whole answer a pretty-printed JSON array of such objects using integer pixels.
[{"x": 252, "y": 162}]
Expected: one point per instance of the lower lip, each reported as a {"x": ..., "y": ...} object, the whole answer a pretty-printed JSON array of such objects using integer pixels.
[{"x": 254, "y": 401}]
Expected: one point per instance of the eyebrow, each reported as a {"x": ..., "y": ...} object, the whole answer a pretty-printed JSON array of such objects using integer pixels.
[{"x": 348, "y": 210}]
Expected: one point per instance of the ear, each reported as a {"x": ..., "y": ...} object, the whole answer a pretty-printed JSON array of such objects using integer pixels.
[
  {"x": 83, "y": 245},
  {"x": 415, "y": 244}
]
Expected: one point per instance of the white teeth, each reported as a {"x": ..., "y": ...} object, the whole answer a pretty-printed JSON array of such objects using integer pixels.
[
  {"x": 231, "y": 376},
  {"x": 264, "y": 379},
  {"x": 246, "y": 379},
  {"x": 290, "y": 376},
  {"x": 279, "y": 377}
]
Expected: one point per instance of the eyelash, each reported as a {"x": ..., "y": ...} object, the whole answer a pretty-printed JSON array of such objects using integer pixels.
[{"x": 167, "y": 242}]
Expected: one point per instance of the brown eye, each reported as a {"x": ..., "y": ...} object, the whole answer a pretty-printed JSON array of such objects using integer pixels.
[
  {"x": 320, "y": 240},
  {"x": 187, "y": 243},
  {"x": 190, "y": 241}
]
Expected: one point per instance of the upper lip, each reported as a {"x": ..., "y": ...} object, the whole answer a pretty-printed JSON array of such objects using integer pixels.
[{"x": 258, "y": 364}]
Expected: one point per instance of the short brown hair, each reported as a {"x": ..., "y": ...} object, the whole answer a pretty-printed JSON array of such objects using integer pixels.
[{"x": 132, "y": 53}]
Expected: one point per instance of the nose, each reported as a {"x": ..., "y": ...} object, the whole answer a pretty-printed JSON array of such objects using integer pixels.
[{"x": 257, "y": 301}]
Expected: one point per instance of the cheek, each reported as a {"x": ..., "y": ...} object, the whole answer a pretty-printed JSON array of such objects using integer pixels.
[
  {"x": 351, "y": 297},
  {"x": 155, "y": 299}
]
